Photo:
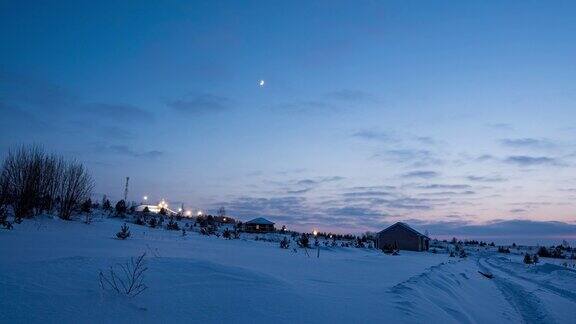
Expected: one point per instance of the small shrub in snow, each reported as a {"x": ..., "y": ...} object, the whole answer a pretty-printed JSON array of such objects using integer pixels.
[
  {"x": 124, "y": 232},
  {"x": 172, "y": 225},
  {"x": 535, "y": 259},
  {"x": 303, "y": 241},
  {"x": 183, "y": 232},
  {"x": 543, "y": 252},
  {"x": 390, "y": 248},
  {"x": 162, "y": 211},
  {"x": 139, "y": 221},
  {"x": 208, "y": 230},
  {"x": 557, "y": 253},
  {"x": 153, "y": 222},
  {"x": 227, "y": 234},
  {"x": 285, "y": 243},
  {"x": 128, "y": 280},
  {"x": 528, "y": 259},
  {"x": 502, "y": 249}
]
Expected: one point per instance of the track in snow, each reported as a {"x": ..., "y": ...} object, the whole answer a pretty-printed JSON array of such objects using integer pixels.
[{"x": 535, "y": 300}]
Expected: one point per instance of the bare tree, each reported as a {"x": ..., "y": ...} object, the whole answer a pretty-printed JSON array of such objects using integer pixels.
[
  {"x": 22, "y": 170},
  {"x": 32, "y": 181},
  {"x": 75, "y": 187},
  {"x": 52, "y": 170}
]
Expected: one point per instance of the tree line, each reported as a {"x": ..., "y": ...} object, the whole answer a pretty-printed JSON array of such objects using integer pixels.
[{"x": 33, "y": 182}]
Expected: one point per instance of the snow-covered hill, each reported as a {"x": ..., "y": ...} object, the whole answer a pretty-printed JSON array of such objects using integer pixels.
[{"x": 49, "y": 272}]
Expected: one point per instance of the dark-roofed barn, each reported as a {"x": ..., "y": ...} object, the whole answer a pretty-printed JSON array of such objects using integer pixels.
[
  {"x": 259, "y": 225},
  {"x": 403, "y": 237}
]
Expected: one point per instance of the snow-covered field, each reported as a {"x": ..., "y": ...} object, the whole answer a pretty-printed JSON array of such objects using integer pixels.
[{"x": 49, "y": 273}]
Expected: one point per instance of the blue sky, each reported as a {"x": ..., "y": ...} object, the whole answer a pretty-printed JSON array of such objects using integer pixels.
[{"x": 443, "y": 113}]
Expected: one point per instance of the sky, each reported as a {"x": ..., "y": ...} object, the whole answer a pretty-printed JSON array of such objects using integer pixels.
[{"x": 449, "y": 115}]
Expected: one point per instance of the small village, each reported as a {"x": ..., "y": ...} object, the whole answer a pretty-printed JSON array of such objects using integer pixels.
[{"x": 257, "y": 162}]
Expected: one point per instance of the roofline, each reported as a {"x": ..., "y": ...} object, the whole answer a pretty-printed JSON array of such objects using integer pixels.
[
  {"x": 252, "y": 221},
  {"x": 406, "y": 226}
]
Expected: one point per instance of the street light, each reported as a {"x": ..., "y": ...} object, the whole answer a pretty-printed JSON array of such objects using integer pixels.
[{"x": 315, "y": 232}]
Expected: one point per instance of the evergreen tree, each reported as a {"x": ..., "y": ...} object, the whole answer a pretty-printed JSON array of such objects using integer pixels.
[
  {"x": 86, "y": 206},
  {"x": 106, "y": 205},
  {"x": 120, "y": 207}
]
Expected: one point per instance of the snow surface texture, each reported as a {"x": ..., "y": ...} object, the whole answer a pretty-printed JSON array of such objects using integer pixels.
[{"x": 49, "y": 273}]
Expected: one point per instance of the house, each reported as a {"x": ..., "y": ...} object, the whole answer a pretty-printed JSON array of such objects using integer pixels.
[
  {"x": 259, "y": 225},
  {"x": 403, "y": 237},
  {"x": 155, "y": 209}
]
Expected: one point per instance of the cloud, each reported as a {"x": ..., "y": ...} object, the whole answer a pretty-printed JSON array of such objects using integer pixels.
[
  {"x": 506, "y": 231},
  {"x": 500, "y": 126},
  {"x": 486, "y": 178},
  {"x": 200, "y": 104},
  {"x": 485, "y": 157},
  {"x": 306, "y": 106},
  {"x": 56, "y": 111},
  {"x": 373, "y": 135},
  {"x": 17, "y": 119},
  {"x": 307, "y": 182},
  {"x": 413, "y": 157},
  {"x": 449, "y": 193},
  {"x": 528, "y": 143},
  {"x": 319, "y": 180},
  {"x": 444, "y": 186},
  {"x": 125, "y": 150},
  {"x": 34, "y": 93},
  {"x": 367, "y": 194},
  {"x": 299, "y": 191},
  {"x": 114, "y": 132},
  {"x": 269, "y": 207},
  {"x": 524, "y": 160},
  {"x": 354, "y": 212},
  {"x": 424, "y": 174},
  {"x": 348, "y": 95},
  {"x": 427, "y": 140},
  {"x": 118, "y": 112},
  {"x": 410, "y": 204}
]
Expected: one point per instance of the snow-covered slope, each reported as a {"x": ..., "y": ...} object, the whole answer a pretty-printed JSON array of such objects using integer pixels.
[{"x": 49, "y": 272}]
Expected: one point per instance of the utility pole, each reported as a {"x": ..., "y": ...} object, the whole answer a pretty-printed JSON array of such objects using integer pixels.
[{"x": 126, "y": 190}]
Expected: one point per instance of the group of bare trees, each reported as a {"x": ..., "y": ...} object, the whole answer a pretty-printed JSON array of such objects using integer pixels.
[{"x": 33, "y": 182}]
